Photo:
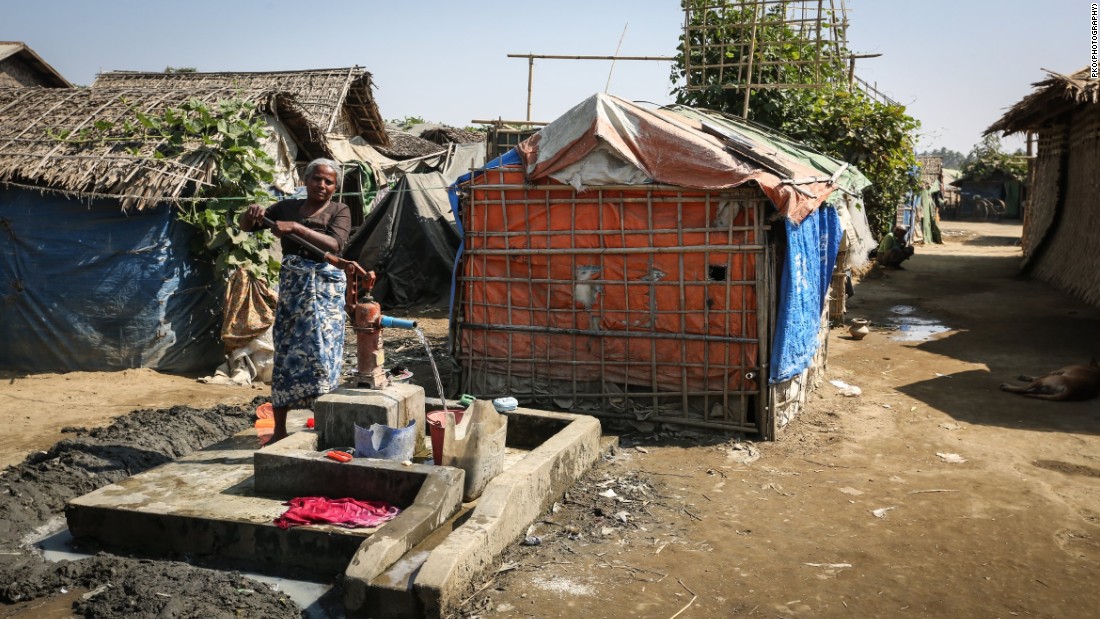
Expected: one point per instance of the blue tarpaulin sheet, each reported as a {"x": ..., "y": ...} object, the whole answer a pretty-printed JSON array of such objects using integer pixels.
[
  {"x": 85, "y": 287},
  {"x": 509, "y": 158},
  {"x": 808, "y": 266}
]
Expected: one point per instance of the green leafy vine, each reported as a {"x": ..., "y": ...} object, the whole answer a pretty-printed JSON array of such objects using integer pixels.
[{"x": 228, "y": 132}]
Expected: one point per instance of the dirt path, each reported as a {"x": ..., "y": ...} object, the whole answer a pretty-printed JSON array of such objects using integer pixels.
[
  {"x": 35, "y": 408},
  {"x": 932, "y": 494}
]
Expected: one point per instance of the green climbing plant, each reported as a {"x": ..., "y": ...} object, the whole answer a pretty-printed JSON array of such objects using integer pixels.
[
  {"x": 229, "y": 133},
  {"x": 232, "y": 132}
]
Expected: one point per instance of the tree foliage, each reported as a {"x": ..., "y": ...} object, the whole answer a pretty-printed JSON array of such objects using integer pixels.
[
  {"x": 841, "y": 122},
  {"x": 407, "y": 122},
  {"x": 952, "y": 159},
  {"x": 987, "y": 160}
]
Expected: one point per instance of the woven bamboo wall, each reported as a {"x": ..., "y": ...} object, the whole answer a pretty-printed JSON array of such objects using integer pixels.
[
  {"x": 1044, "y": 189},
  {"x": 1071, "y": 260}
]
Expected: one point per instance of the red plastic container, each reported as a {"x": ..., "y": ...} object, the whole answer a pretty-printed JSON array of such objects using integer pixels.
[{"x": 436, "y": 420}]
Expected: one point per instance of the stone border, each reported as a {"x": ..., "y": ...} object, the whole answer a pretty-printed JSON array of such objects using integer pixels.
[{"x": 510, "y": 503}]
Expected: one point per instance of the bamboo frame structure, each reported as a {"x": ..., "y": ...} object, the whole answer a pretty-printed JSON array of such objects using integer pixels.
[{"x": 741, "y": 45}]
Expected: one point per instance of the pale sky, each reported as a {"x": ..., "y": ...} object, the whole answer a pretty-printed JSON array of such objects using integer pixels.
[{"x": 957, "y": 65}]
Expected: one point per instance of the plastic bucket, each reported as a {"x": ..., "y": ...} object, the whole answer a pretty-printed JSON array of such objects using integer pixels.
[
  {"x": 265, "y": 411},
  {"x": 382, "y": 441},
  {"x": 436, "y": 421}
]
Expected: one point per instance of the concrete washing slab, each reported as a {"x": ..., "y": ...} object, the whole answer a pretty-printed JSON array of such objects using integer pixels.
[
  {"x": 432, "y": 578},
  {"x": 217, "y": 506}
]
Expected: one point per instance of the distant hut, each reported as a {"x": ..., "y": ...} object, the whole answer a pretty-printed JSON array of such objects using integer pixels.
[
  {"x": 1004, "y": 191},
  {"x": 1063, "y": 211},
  {"x": 403, "y": 146},
  {"x": 95, "y": 268},
  {"x": 918, "y": 213},
  {"x": 444, "y": 134},
  {"x": 949, "y": 195},
  {"x": 20, "y": 66}
]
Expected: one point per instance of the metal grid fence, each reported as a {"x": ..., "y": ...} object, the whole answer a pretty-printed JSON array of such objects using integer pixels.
[{"x": 637, "y": 302}]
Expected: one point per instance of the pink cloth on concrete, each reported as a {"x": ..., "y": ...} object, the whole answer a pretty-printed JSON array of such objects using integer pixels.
[{"x": 350, "y": 513}]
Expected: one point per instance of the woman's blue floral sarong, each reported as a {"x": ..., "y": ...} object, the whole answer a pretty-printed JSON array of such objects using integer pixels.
[{"x": 308, "y": 332}]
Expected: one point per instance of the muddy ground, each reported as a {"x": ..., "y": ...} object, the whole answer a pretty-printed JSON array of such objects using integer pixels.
[{"x": 930, "y": 494}]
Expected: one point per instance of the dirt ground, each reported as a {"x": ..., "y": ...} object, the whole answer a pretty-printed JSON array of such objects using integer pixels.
[{"x": 930, "y": 494}]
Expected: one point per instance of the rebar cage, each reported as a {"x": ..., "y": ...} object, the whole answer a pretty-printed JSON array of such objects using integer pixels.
[{"x": 638, "y": 302}]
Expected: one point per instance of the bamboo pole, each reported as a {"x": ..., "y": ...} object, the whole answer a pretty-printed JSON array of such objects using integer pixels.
[
  {"x": 748, "y": 76},
  {"x": 530, "y": 80},
  {"x": 531, "y": 66}
]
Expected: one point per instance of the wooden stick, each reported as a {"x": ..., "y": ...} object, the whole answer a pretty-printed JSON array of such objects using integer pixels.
[{"x": 693, "y": 598}]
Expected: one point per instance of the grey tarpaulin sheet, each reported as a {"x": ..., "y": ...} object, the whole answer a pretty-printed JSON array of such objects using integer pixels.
[{"x": 410, "y": 240}]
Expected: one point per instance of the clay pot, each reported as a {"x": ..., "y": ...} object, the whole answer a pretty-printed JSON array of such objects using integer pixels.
[{"x": 860, "y": 328}]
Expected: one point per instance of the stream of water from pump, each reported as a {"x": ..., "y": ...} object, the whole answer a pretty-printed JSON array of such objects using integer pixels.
[{"x": 435, "y": 370}]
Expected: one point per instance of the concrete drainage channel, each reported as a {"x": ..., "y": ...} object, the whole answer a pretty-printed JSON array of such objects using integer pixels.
[{"x": 218, "y": 505}]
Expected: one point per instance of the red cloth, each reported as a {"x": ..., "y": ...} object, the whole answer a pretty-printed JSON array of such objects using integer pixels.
[{"x": 350, "y": 513}]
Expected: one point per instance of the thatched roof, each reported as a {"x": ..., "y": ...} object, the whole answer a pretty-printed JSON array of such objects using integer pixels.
[
  {"x": 931, "y": 170},
  {"x": 336, "y": 100},
  {"x": 41, "y": 146},
  {"x": 19, "y": 51},
  {"x": 407, "y": 146},
  {"x": 1052, "y": 98},
  {"x": 451, "y": 135}
]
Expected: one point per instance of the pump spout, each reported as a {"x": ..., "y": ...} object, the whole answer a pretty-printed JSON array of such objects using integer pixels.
[{"x": 389, "y": 322}]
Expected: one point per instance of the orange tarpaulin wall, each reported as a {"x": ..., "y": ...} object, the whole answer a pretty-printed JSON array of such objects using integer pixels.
[{"x": 639, "y": 294}]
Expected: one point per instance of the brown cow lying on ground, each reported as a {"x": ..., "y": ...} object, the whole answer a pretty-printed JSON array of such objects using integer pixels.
[{"x": 1073, "y": 382}]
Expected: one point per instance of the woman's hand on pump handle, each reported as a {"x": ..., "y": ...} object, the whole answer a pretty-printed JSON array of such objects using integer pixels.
[{"x": 254, "y": 218}]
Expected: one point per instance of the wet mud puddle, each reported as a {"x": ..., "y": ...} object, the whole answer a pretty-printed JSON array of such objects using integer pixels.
[
  {"x": 308, "y": 595},
  {"x": 911, "y": 328}
]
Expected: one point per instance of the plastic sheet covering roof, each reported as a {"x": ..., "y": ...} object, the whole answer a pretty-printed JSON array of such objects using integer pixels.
[
  {"x": 605, "y": 140},
  {"x": 775, "y": 147}
]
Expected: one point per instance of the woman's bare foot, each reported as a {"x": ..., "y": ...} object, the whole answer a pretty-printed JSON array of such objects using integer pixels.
[
  {"x": 279, "y": 432},
  {"x": 273, "y": 438}
]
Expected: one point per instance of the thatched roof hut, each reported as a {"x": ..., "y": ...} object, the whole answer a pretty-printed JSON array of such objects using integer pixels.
[
  {"x": 109, "y": 283},
  {"x": 404, "y": 145},
  {"x": 41, "y": 147},
  {"x": 20, "y": 66},
  {"x": 445, "y": 134},
  {"x": 1063, "y": 210},
  {"x": 313, "y": 109},
  {"x": 1053, "y": 98},
  {"x": 335, "y": 100}
]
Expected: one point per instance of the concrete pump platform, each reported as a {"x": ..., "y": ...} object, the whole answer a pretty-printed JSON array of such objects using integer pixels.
[{"x": 218, "y": 505}]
